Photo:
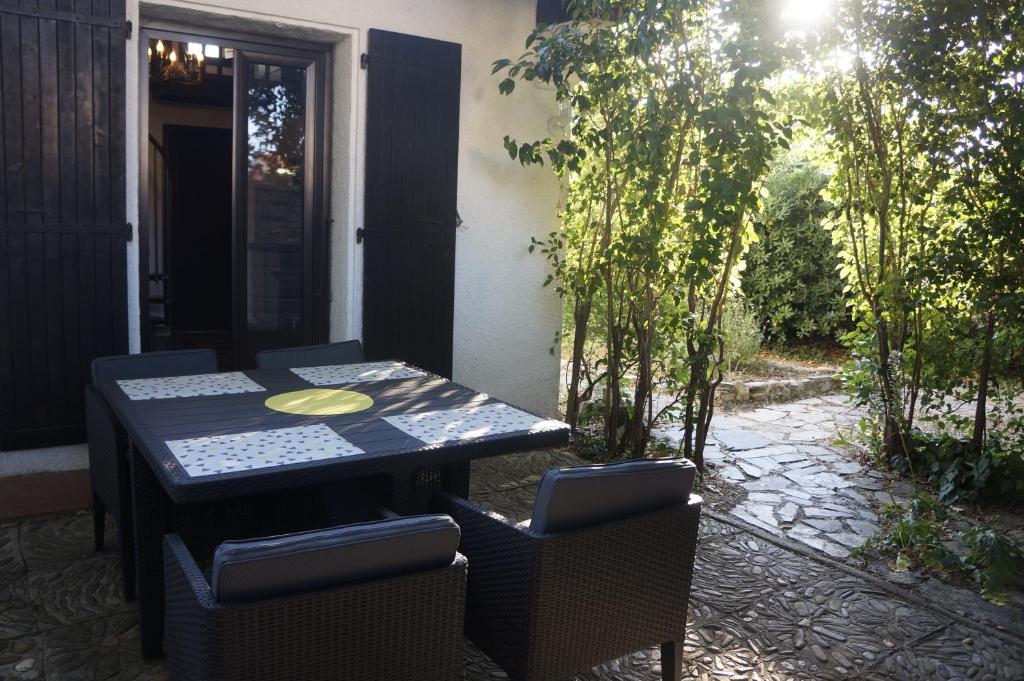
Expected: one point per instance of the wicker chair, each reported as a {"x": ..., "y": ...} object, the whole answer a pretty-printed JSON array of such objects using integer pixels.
[
  {"x": 405, "y": 623},
  {"x": 565, "y": 592},
  {"x": 345, "y": 352},
  {"x": 108, "y": 443}
]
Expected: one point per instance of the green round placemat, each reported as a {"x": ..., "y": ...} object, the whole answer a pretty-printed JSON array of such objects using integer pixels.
[{"x": 320, "y": 402}]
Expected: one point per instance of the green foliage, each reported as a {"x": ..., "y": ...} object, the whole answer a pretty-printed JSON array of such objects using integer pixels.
[
  {"x": 924, "y": 131},
  {"x": 941, "y": 449},
  {"x": 919, "y": 534},
  {"x": 959, "y": 470},
  {"x": 993, "y": 560},
  {"x": 790, "y": 276},
  {"x": 913, "y": 535},
  {"x": 741, "y": 332},
  {"x": 672, "y": 129}
]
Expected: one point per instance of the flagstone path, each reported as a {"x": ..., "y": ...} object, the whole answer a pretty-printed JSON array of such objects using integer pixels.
[
  {"x": 800, "y": 485},
  {"x": 803, "y": 486}
]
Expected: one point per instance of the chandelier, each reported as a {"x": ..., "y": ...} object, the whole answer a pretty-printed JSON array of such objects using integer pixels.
[{"x": 176, "y": 62}]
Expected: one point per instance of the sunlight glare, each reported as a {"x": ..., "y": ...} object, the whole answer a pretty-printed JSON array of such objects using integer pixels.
[{"x": 805, "y": 13}]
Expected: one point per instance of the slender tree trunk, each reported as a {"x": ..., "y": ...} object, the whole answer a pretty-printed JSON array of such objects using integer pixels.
[
  {"x": 691, "y": 386},
  {"x": 984, "y": 377},
  {"x": 891, "y": 425},
  {"x": 915, "y": 382},
  {"x": 643, "y": 391},
  {"x": 692, "y": 430},
  {"x": 612, "y": 380},
  {"x": 878, "y": 139},
  {"x": 703, "y": 419},
  {"x": 581, "y": 318}
]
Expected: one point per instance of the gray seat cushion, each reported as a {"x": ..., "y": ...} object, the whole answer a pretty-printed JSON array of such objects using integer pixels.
[
  {"x": 260, "y": 568},
  {"x": 154, "y": 364},
  {"x": 580, "y": 496},
  {"x": 345, "y": 352}
]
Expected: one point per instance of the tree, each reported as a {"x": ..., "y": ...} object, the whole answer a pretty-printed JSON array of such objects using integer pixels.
[
  {"x": 966, "y": 64},
  {"x": 671, "y": 131},
  {"x": 885, "y": 189},
  {"x": 926, "y": 133}
]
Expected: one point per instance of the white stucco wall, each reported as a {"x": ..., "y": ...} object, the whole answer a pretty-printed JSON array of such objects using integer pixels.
[{"x": 505, "y": 321}]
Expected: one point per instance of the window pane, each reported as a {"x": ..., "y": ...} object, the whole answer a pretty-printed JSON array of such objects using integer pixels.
[{"x": 276, "y": 160}]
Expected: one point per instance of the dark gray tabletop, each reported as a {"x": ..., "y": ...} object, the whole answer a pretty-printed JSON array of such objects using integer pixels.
[{"x": 205, "y": 446}]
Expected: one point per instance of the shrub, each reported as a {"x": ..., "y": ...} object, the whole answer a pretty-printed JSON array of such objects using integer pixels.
[
  {"x": 963, "y": 472},
  {"x": 741, "y": 331},
  {"x": 790, "y": 275},
  {"x": 917, "y": 533}
]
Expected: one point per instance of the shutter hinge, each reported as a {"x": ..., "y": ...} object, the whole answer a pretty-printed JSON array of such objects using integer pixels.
[
  {"x": 129, "y": 232},
  {"x": 364, "y": 61},
  {"x": 359, "y": 235},
  {"x": 128, "y": 28}
]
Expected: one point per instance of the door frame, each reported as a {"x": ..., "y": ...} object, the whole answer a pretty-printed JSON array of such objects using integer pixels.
[{"x": 318, "y": 203}]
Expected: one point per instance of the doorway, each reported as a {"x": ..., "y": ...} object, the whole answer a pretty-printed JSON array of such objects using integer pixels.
[{"x": 234, "y": 251}]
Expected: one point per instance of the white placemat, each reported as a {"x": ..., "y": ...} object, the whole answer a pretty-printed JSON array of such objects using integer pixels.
[
  {"x": 434, "y": 427},
  {"x": 218, "y": 454},
  {"x": 197, "y": 385},
  {"x": 361, "y": 372}
]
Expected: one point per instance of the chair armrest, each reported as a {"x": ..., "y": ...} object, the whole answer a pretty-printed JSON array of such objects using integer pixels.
[
  {"x": 502, "y": 580},
  {"x": 106, "y": 444},
  {"x": 458, "y": 507},
  {"x": 183, "y": 572},
  {"x": 386, "y": 513},
  {"x": 191, "y": 614}
]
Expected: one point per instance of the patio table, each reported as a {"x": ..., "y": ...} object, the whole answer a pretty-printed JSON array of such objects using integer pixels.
[{"x": 200, "y": 441}]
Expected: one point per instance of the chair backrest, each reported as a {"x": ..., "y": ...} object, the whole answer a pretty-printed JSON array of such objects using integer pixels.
[
  {"x": 154, "y": 364},
  {"x": 345, "y": 352},
  {"x": 581, "y": 496},
  {"x": 261, "y": 568}
]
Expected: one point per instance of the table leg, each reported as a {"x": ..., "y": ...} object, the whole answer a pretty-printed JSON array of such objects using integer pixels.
[
  {"x": 671, "y": 661},
  {"x": 456, "y": 479},
  {"x": 403, "y": 492},
  {"x": 150, "y": 513}
]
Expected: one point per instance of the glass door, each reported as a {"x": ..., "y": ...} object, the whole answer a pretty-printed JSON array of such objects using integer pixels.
[{"x": 275, "y": 177}]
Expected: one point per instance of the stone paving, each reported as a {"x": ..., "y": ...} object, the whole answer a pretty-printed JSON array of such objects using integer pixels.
[
  {"x": 760, "y": 609},
  {"x": 799, "y": 484}
]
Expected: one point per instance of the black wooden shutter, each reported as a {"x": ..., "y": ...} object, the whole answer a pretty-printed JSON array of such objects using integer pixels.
[
  {"x": 62, "y": 211},
  {"x": 412, "y": 150}
]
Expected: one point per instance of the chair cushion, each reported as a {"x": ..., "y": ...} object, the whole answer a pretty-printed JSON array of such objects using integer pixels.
[
  {"x": 580, "y": 496},
  {"x": 154, "y": 364},
  {"x": 261, "y": 568},
  {"x": 345, "y": 352}
]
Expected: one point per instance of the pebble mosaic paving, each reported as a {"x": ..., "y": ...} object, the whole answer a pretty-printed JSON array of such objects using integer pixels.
[
  {"x": 799, "y": 484},
  {"x": 759, "y": 610}
]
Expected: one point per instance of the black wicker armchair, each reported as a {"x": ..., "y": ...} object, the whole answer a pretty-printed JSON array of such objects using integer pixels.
[
  {"x": 108, "y": 442},
  {"x": 567, "y": 592},
  {"x": 345, "y": 352},
  {"x": 372, "y": 602}
]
